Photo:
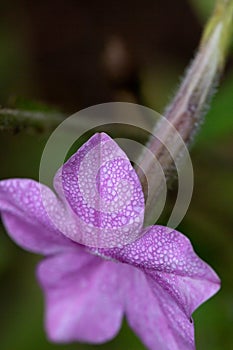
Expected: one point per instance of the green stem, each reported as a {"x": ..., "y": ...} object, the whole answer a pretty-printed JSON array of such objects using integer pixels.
[
  {"x": 16, "y": 120},
  {"x": 222, "y": 16}
]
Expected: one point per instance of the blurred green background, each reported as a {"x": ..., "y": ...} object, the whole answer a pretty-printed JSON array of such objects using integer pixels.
[{"x": 73, "y": 54}]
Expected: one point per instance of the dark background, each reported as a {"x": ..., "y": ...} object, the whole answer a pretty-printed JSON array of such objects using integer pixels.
[{"x": 74, "y": 54}]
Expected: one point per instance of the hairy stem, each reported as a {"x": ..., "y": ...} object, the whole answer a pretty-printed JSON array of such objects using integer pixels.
[
  {"x": 14, "y": 120},
  {"x": 185, "y": 112}
]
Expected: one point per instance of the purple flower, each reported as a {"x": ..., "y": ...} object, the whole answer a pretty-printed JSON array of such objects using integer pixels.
[{"x": 101, "y": 264}]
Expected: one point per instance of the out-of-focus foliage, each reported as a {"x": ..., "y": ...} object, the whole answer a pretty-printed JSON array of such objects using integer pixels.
[
  {"x": 208, "y": 222},
  {"x": 219, "y": 120},
  {"x": 203, "y": 7}
]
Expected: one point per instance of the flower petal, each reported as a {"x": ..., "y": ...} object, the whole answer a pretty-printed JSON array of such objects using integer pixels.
[
  {"x": 178, "y": 279},
  {"x": 25, "y": 218},
  {"x": 83, "y": 297},
  {"x": 156, "y": 317},
  {"x": 104, "y": 192}
]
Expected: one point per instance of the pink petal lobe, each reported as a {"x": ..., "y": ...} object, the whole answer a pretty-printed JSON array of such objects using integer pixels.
[
  {"x": 178, "y": 281},
  {"x": 100, "y": 202},
  {"x": 25, "y": 218},
  {"x": 84, "y": 297},
  {"x": 156, "y": 317},
  {"x": 104, "y": 193}
]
